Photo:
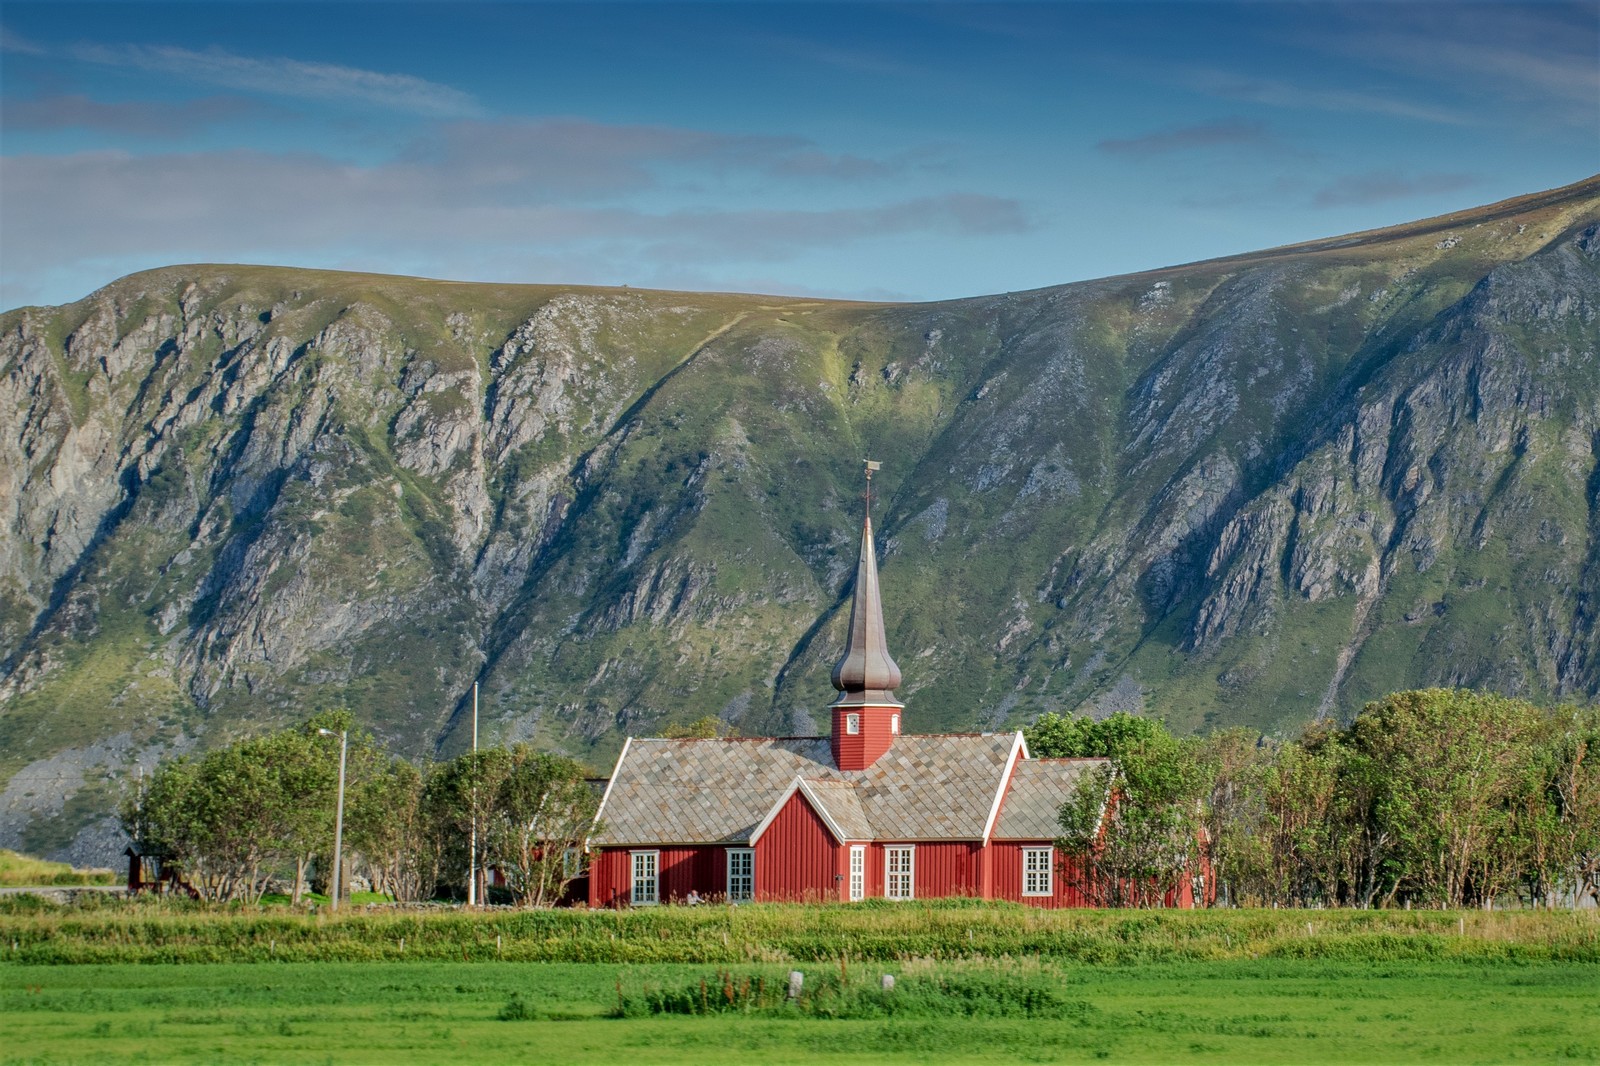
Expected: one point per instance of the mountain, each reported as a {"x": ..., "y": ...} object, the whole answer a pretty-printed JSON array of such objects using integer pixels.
[{"x": 1252, "y": 491}]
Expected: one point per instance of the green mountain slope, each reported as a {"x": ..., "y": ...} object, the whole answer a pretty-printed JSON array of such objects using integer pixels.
[{"x": 1250, "y": 491}]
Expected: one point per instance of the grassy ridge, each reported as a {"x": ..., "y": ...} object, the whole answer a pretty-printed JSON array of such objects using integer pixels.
[
  {"x": 25, "y": 871},
  {"x": 155, "y": 931}
]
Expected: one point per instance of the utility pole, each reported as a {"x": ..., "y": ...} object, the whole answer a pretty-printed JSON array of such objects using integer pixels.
[
  {"x": 472, "y": 844},
  {"x": 338, "y": 817}
]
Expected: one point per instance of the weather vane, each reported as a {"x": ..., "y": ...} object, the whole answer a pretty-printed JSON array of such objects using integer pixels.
[{"x": 871, "y": 466}]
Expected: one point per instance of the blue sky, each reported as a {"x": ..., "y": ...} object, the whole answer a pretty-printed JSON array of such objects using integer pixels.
[{"x": 886, "y": 151}]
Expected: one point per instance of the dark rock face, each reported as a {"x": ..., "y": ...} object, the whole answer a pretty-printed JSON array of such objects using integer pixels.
[{"x": 1253, "y": 491}]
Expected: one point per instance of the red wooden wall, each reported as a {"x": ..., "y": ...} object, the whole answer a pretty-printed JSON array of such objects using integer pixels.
[
  {"x": 952, "y": 869},
  {"x": 796, "y": 857},
  {"x": 857, "y": 751},
  {"x": 1006, "y": 861},
  {"x": 680, "y": 869}
]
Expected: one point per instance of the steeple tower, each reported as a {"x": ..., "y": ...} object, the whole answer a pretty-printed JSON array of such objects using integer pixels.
[{"x": 866, "y": 716}]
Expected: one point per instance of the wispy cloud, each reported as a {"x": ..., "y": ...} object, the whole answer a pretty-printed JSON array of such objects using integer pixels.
[
  {"x": 239, "y": 205},
  {"x": 1230, "y": 133},
  {"x": 1539, "y": 54},
  {"x": 1382, "y": 186},
  {"x": 152, "y": 118},
  {"x": 1277, "y": 93},
  {"x": 280, "y": 76},
  {"x": 587, "y": 160},
  {"x": 15, "y": 43}
]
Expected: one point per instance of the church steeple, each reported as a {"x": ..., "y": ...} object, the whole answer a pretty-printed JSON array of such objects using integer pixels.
[{"x": 866, "y": 715}]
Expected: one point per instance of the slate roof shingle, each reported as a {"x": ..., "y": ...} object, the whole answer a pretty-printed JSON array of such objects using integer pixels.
[
  {"x": 717, "y": 791},
  {"x": 1038, "y": 789}
]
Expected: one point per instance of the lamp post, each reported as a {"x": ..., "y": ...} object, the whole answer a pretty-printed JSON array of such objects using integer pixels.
[{"x": 338, "y": 817}]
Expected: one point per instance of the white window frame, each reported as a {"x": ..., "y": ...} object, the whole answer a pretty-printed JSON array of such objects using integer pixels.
[
  {"x": 900, "y": 883},
  {"x": 645, "y": 890},
  {"x": 858, "y": 872},
  {"x": 894, "y": 725},
  {"x": 572, "y": 863},
  {"x": 852, "y": 724},
  {"x": 1037, "y": 879},
  {"x": 742, "y": 886}
]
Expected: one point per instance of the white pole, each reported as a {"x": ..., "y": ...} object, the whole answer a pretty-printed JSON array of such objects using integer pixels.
[
  {"x": 338, "y": 817},
  {"x": 472, "y": 845}
]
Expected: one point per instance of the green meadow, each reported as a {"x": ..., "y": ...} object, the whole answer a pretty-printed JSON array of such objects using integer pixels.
[
  {"x": 1260, "y": 1011},
  {"x": 152, "y": 981}
]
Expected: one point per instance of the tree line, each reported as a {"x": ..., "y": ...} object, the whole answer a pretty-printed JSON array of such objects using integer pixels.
[
  {"x": 1434, "y": 797},
  {"x": 238, "y": 818},
  {"x": 1428, "y": 798}
]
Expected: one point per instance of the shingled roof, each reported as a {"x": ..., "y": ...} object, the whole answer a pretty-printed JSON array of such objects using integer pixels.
[
  {"x": 720, "y": 791},
  {"x": 1038, "y": 789}
]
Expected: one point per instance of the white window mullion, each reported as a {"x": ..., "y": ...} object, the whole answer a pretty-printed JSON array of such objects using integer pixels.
[
  {"x": 646, "y": 878},
  {"x": 858, "y": 872},
  {"x": 899, "y": 879},
  {"x": 1038, "y": 871},
  {"x": 741, "y": 875}
]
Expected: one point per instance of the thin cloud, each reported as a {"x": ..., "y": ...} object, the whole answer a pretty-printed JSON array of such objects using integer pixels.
[
  {"x": 1542, "y": 54},
  {"x": 586, "y": 160},
  {"x": 1276, "y": 93},
  {"x": 149, "y": 118},
  {"x": 11, "y": 41},
  {"x": 280, "y": 76},
  {"x": 1232, "y": 133},
  {"x": 1382, "y": 186},
  {"x": 231, "y": 205}
]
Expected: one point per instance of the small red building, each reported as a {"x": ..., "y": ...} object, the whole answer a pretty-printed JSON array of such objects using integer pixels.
[{"x": 867, "y": 811}]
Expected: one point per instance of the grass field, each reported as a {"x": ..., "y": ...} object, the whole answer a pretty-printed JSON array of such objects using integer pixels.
[
  {"x": 155, "y": 981},
  {"x": 1264, "y": 1011}
]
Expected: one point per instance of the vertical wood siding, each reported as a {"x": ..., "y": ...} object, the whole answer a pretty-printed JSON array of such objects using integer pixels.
[
  {"x": 946, "y": 869},
  {"x": 679, "y": 869},
  {"x": 857, "y": 751},
  {"x": 795, "y": 857},
  {"x": 1006, "y": 856}
]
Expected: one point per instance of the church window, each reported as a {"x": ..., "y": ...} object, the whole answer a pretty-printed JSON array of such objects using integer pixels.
[
  {"x": 741, "y": 875},
  {"x": 899, "y": 873},
  {"x": 1038, "y": 868},
  {"x": 646, "y": 867}
]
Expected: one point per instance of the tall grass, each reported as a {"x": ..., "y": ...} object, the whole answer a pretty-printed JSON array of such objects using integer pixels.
[{"x": 150, "y": 930}]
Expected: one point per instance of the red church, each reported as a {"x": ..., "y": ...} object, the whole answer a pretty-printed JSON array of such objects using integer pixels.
[{"x": 868, "y": 811}]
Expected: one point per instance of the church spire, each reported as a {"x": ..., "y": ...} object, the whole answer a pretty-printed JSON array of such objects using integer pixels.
[
  {"x": 866, "y": 716},
  {"x": 866, "y": 673}
]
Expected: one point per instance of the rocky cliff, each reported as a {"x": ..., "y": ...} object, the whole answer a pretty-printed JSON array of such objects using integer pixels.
[{"x": 1250, "y": 491}]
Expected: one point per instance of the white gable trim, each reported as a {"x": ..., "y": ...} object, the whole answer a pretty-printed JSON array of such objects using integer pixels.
[
  {"x": 1019, "y": 749},
  {"x": 798, "y": 785},
  {"x": 616, "y": 772},
  {"x": 822, "y": 811},
  {"x": 772, "y": 814}
]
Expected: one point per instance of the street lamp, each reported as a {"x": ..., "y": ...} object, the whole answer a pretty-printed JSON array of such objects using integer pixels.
[{"x": 338, "y": 817}]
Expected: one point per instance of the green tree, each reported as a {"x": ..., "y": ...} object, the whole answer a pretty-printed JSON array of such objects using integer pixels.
[
  {"x": 458, "y": 800},
  {"x": 1564, "y": 829},
  {"x": 386, "y": 823},
  {"x": 1137, "y": 823},
  {"x": 543, "y": 811},
  {"x": 706, "y": 727},
  {"x": 1069, "y": 736},
  {"x": 1445, "y": 766}
]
